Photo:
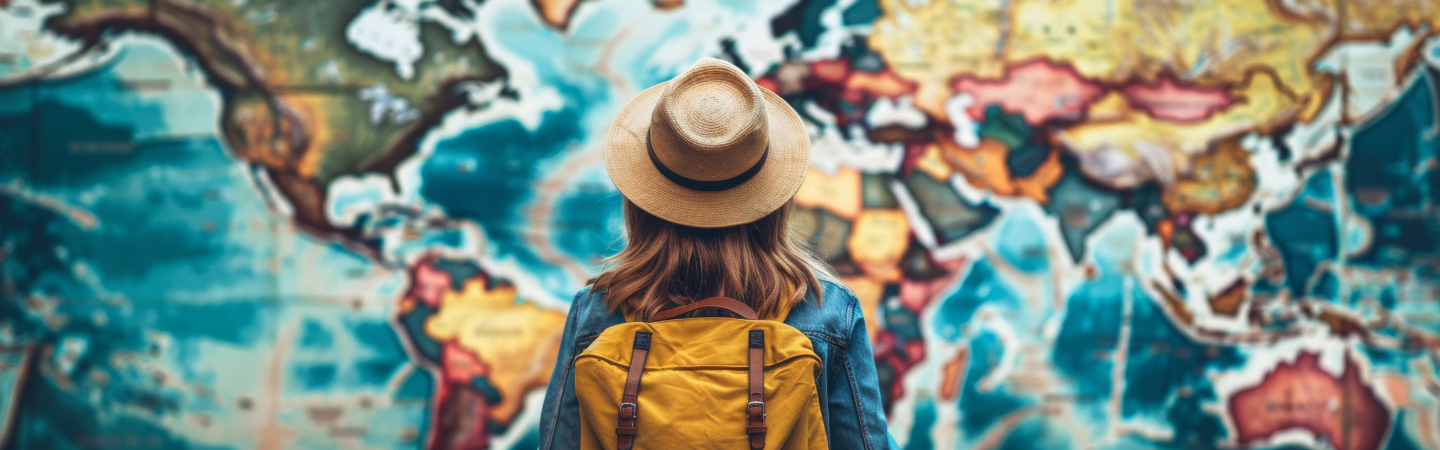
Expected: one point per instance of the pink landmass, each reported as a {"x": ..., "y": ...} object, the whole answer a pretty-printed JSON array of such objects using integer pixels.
[
  {"x": 430, "y": 284},
  {"x": 1345, "y": 412},
  {"x": 1039, "y": 90},
  {"x": 1168, "y": 101}
]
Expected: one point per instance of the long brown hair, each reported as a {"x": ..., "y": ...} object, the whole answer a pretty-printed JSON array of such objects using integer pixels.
[{"x": 765, "y": 264}]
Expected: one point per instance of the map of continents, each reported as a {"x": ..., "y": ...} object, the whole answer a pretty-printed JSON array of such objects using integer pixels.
[{"x": 1072, "y": 224}]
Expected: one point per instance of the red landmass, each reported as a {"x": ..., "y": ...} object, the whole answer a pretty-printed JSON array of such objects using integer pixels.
[
  {"x": 856, "y": 86},
  {"x": 829, "y": 82},
  {"x": 1344, "y": 412},
  {"x": 1168, "y": 101},
  {"x": 900, "y": 355},
  {"x": 461, "y": 413},
  {"x": 768, "y": 82},
  {"x": 1039, "y": 90},
  {"x": 461, "y": 421}
]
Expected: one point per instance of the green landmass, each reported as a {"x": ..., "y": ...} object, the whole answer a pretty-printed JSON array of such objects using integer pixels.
[{"x": 274, "y": 62}]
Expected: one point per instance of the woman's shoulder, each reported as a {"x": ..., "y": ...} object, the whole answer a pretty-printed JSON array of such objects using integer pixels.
[
  {"x": 590, "y": 313},
  {"x": 833, "y": 316}
]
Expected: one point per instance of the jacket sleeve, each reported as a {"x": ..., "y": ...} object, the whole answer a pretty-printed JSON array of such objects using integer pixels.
[
  {"x": 857, "y": 416},
  {"x": 560, "y": 415}
]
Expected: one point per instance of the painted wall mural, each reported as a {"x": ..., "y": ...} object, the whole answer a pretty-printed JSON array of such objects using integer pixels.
[{"x": 1073, "y": 224}]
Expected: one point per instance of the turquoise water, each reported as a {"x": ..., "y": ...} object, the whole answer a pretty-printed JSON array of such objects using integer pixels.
[{"x": 171, "y": 273}]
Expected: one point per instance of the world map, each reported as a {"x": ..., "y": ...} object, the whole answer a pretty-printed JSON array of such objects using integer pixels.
[{"x": 1072, "y": 224}]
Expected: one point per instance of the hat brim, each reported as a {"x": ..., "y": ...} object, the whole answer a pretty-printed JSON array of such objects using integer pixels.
[{"x": 627, "y": 160}]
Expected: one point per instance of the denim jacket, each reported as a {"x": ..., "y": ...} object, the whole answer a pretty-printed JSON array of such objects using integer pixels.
[{"x": 849, "y": 390}]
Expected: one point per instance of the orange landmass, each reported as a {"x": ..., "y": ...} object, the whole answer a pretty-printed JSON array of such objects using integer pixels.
[
  {"x": 1228, "y": 301},
  {"x": 556, "y": 12},
  {"x": 857, "y": 86},
  {"x": 1219, "y": 180},
  {"x": 869, "y": 292},
  {"x": 882, "y": 84},
  {"x": 1402, "y": 390},
  {"x": 1342, "y": 323},
  {"x": 1344, "y": 412},
  {"x": 984, "y": 167},
  {"x": 1168, "y": 101},
  {"x": 839, "y": 194},
  {"x": 952, "y": 375},
  {"x": 1173, "y": 303},
  {"x": 830, "y": 70},
  {"x": 1039, "y": 90}
]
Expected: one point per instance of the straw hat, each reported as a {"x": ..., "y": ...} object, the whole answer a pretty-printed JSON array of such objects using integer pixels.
[{"x": 708, "y": 148}]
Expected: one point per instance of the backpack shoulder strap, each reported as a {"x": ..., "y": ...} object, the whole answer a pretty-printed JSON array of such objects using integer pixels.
[
  {"x": 729, "y": 304},
  {"x": 625, "y": 429},
  {"x": 755, "y": 409}
]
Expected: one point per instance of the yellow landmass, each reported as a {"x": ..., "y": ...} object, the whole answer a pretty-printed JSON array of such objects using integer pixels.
[
  {"x": 932, "y": 44},
  {"x": 933, "y": 164},
  {"x": 878, "y": 241},
  {"x": 1208, "y": 43},
  {"x": 1090, "y": 36},
  {"x": 516, "y": 340},
  {"x": 1135, "y": 138},
  {"x": 839, "y": 194},
  {"x": 1376, "y": 19},
  {"x": 1379, "y": 19},
  {"x": 1110, "y": 107},
  {"x": 869, "y": 292}
]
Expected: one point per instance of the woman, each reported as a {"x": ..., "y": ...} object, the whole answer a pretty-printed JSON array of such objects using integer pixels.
[{"x": 709, "y": 164}]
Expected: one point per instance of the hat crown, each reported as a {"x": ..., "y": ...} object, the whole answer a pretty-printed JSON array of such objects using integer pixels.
[{"x": 709, "y": 123}]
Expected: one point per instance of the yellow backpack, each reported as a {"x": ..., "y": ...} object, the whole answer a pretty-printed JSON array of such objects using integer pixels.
[{"x": 708, "y": 382}]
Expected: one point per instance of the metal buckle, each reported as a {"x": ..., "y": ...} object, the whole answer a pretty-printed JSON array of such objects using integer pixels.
[
  {"x": 763, "y": 413},
  {"x": 634, "y": 410}
]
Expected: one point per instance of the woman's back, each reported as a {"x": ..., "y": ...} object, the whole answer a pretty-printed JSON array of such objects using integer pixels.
[{"x": 853, "y": 415}]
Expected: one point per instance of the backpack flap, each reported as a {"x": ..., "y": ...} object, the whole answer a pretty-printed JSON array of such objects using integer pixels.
[{"x": 694, "y": 385}]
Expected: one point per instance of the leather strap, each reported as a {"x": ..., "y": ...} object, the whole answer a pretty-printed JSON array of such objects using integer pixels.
[
  {"x": 629, "y": 405},
  {"x": 729, "y": 304},
  {"x": 755, "y": 409}
]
